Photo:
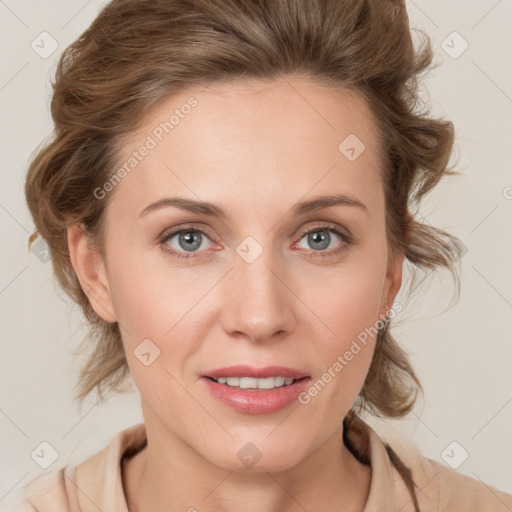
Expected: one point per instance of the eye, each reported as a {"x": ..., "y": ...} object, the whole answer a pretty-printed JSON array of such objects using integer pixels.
[
  {"x": 188, "y": 242},
  {"x": 320, "y": 238}
]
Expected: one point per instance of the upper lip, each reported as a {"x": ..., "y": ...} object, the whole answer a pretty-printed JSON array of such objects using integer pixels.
[{"x": 258, "y": 373}]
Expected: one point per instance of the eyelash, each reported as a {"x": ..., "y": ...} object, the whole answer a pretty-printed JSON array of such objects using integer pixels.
[{"x": 316, "y": 254}]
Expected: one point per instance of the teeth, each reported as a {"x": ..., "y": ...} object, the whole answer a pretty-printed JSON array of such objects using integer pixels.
[{"x": 252, "y": 383}]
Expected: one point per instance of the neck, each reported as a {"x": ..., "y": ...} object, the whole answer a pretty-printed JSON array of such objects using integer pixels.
[{"x": 170, "y": 474}]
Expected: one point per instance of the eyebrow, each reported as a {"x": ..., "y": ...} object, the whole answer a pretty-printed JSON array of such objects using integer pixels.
[{"x": 213, "y": 210}]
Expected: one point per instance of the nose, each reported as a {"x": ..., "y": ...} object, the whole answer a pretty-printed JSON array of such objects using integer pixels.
[{"x": 259, "y": 304}]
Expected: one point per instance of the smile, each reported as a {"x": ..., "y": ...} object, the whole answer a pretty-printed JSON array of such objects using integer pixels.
[{"x": 254, "y": 383}]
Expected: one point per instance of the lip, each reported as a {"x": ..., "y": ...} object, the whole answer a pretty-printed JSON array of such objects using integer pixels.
[
  {"x": 258, "y": 373},
  {"x": 260, "y": 401}
]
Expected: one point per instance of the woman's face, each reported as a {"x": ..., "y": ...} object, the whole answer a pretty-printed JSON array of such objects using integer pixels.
[{"x": 251, "y": 287}]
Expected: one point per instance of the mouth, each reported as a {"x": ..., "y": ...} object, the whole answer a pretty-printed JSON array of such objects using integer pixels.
[
  {"x": 256, "y": 390},
  {"x": 255, "y": 384}
]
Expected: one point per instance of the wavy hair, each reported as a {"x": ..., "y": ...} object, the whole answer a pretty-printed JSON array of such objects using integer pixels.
[{"x": 137, "y": 53}]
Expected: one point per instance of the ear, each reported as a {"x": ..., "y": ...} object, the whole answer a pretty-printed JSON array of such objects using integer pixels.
[
  {"x": 91, "y": 272},
  {"x": 393, "y": 282}
]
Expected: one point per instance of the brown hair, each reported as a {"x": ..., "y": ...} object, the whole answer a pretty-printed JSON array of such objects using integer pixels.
[{"x": 137, "y": 53}]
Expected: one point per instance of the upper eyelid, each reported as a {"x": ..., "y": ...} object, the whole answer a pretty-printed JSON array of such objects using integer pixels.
[
  {"x": 323, "y": 225},
  {"x": 169, "y": 233}
]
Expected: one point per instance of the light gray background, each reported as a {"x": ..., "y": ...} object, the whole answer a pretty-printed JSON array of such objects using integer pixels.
[{"x": 463, "y": 356}]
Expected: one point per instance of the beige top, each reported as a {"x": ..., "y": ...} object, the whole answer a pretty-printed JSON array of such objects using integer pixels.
[{"x": 96, "y": 483}]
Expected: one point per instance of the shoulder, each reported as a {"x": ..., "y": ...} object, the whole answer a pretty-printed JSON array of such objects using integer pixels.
[
  {"x": 96, "y": 479},
  {"x": 47, "y": 492},
  {"x": 457, "y": 491},
  {"x": 441, "y": 488}
]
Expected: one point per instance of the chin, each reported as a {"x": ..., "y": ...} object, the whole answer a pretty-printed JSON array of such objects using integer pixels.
[{"x": 252, "y": 458}]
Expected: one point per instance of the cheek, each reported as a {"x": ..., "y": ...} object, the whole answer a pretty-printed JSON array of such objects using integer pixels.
[
  {"x": 347, "y": 304},
  {"x": 150, "y": 298},
  {"x": 345, "y": 355},
  {"x": 152, "y": 308},
  {"x": 346, "y": 301},
  {"x": 159, "y": 311}
]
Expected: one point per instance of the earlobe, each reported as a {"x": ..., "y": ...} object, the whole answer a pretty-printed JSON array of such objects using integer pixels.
[{"x": 91, "y": 272}]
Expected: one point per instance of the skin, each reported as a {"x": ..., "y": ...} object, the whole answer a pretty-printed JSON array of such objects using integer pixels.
[{"x": 254, "y": 148}]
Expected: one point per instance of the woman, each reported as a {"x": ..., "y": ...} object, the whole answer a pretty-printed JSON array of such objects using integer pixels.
[{"x": 227, "y": 197}]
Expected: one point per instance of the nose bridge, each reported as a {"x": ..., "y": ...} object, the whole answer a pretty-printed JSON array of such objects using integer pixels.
[{"x": 257, "y": 303}]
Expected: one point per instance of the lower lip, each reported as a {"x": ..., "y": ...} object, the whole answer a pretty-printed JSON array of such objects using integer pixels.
[{"x": 262, "y": 401}]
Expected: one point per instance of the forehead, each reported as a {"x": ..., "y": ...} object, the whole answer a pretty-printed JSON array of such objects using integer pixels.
[{"x": 254, "y": 140}]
